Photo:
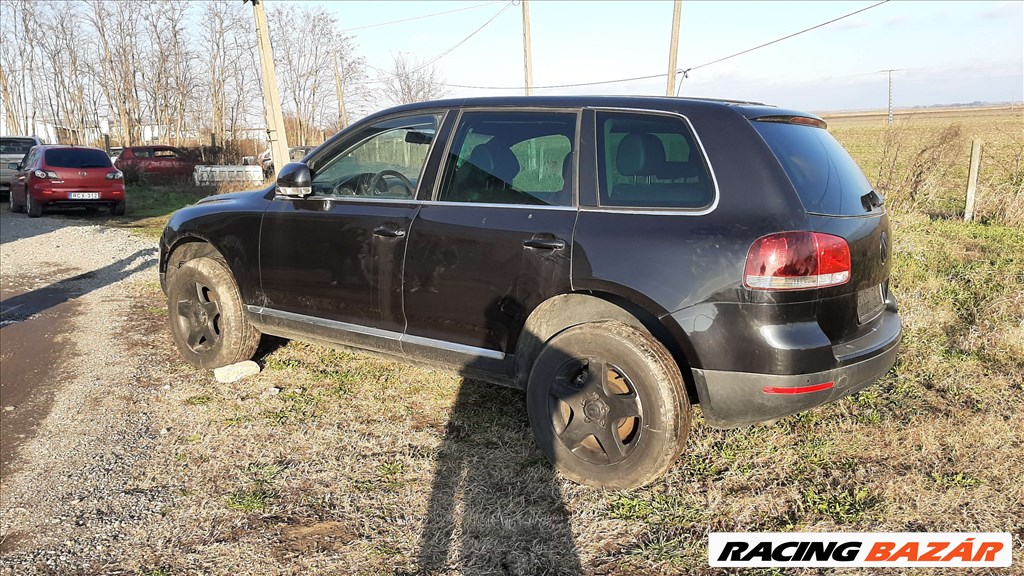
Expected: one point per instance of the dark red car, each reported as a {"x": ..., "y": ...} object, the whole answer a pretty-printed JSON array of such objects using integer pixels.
[
  {"x": 160, "y": 161},
  {"x": 66, "y": 176}
]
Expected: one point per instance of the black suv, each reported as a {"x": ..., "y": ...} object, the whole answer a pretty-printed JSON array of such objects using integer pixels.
[{"x": 619, "y": 258}]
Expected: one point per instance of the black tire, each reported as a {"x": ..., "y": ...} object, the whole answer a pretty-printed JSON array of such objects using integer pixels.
[
  {"x": 206, "y": 317},
  {"x": 117, "y": 209},
  {"x": 15, "y": 207},
  {"x": 608, "y": 406},
  {"x": 35, "y": 210}
]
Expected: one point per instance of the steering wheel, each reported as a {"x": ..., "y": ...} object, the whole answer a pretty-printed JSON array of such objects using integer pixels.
[
  {"x": 343, "y": 189},
  {"x": 377, "y": 179}
]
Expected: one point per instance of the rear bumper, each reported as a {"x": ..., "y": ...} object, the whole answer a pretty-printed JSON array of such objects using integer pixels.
[{"x": 729, "y": 399}]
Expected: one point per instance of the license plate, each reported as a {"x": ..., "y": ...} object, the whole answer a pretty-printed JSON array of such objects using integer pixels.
[
  {"x": 869, "y": 303},
  {"x": 84, "y": 195}
]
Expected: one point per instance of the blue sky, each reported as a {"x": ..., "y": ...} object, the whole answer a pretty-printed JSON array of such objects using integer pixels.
[{"x": 948, "y": 51}]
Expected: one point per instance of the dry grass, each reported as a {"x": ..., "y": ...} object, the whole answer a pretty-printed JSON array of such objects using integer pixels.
[
  {"x": 338, "y": 463},
  {"x": 921, "y": 164}
]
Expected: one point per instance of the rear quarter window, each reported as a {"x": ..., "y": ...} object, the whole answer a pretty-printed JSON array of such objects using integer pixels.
[
  {"x": 77, "y": 158},
  {"x": 824, "y": 175},
  {"x": 651, "y": 161}
]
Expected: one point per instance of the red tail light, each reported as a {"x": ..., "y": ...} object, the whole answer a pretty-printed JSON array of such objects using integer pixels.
[{"x": 797, "y": 261}]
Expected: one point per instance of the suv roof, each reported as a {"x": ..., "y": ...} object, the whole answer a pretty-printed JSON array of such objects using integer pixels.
[{"x": 748, "y": 109}]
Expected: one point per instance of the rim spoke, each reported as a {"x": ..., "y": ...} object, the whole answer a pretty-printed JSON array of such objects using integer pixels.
[
  {"x": 195, "y": 335},
  {"x": 597, "y": 379},
  {"x": 611, "y": 444},
  {"x": 575, "y": 432},
  {"x": 562, "y": 389},
  {"x": 187, "y": 308},
  {"x": 623, "y": 406},
  {"x": 212, "y": 307},
  {"x": 207, "y": 332}
]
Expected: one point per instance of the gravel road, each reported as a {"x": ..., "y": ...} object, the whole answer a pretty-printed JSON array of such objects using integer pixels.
[{"x": 69, "y": 495}]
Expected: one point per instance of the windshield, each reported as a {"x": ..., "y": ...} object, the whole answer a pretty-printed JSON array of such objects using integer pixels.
[
  {"x": 18, "y": 146},
  {"x": 825, "y": 176},
  {"x": 77, "y": 158}
]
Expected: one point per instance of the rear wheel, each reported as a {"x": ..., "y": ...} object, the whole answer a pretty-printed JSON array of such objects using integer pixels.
[
  {"x": 15, "y": 207},
  {"x": 608, "y": 406},
  {"x": 35, "y": 210},
  {"x": 117, "y": 209},
  {"x": 206, "y": 318}
]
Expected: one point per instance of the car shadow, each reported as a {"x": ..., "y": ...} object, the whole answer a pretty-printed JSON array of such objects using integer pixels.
[
  {"x": 496, "y": 504},
  {"x": 26, "y": 305}
]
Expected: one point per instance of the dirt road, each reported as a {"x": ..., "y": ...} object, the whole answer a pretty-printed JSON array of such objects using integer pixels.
[{"x": 71, "y": 426}]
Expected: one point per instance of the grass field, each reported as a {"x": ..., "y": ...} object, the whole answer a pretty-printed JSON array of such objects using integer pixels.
[{"x": 341, "y": 463}]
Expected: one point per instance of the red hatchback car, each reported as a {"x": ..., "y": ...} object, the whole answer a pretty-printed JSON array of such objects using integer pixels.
[
  {"x": 156, "y": 161},
  {"x": 66, "y": 176}
]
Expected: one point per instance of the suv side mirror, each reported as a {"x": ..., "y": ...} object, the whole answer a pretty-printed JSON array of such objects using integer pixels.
[
  {"x": 14, "y": 166},
  {"x": 294, "y": 180}
]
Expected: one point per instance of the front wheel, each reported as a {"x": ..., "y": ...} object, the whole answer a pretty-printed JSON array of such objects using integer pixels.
[
  {"x": 608, "y": 405},
  {"x": 206, "y": 318}
]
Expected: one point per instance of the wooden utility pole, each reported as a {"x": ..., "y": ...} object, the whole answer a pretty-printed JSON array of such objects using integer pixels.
[
  {"x": 271, "y": 97},
  {"x": 670, "y": 87},
  {"x": 527, "y": 55},
  {"x": 342, "y": 114}
]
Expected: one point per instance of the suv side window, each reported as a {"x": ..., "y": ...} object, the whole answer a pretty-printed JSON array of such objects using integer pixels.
[
  {"x": 142, "y": 152},
  {"x": 511, "y": 158},
  {"x": 653, "y": 161},
  {"x": 165, "y": 153},
  {"x": 383, "y": 160}
]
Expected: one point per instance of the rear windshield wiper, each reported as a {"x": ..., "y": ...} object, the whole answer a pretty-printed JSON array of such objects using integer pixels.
[{"x": 872, "y": 200}]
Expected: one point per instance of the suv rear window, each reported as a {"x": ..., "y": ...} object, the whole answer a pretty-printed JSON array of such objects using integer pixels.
[
  {"x": 511, "y": 158},
  {"x": 651, "y": 161},
  {"x": 77, "y": 158},
  {"x": 826, "y": 177},
  {"x": 16, "y": 145}
]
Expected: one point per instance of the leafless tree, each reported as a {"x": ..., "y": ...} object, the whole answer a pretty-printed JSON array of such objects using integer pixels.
[
  {"x": 188, "y": 72},
  {"x": 410, "y": 81},
  {"x": 305, "y": 69}
]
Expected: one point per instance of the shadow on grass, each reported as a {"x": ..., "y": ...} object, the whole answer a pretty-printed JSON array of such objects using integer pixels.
[{"x": 495, "y": 504}]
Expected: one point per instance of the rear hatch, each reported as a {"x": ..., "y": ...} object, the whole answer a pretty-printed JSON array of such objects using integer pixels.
[
  {"x": 839, "y": 201},
  {"x": 80, "y": 169}
]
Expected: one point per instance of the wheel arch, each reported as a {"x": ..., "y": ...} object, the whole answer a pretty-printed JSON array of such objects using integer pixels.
[
  {"x": 186, "y": 248},
  {"x": 564, "y": 311}
]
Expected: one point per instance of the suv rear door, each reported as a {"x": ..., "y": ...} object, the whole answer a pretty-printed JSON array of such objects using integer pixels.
[{"x": 497, "y": 240}]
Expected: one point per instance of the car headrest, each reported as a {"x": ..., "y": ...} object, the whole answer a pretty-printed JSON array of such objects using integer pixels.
[
  {"x": 640, "y": 155},
  {"x": 496, "y": 160}
]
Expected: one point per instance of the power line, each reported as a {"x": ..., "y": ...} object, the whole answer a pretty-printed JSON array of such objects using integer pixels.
[
  {"x": 446, "y": 52},
  {"x": 777, "y": 40},
  {"x": 419, "y": 17},
  {"x": 683, "y": 72},
  {"x": 464, "y": 40}
]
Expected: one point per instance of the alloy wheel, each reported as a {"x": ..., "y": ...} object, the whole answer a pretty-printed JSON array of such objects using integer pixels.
[
  {"x": 199, "y": 318},
  {"x": 596, "y": 411}
]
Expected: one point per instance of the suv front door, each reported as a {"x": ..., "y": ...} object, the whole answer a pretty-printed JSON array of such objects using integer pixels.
[
  {"x": 497, "y": 240},
  {"x": 333, "y": 260}
]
